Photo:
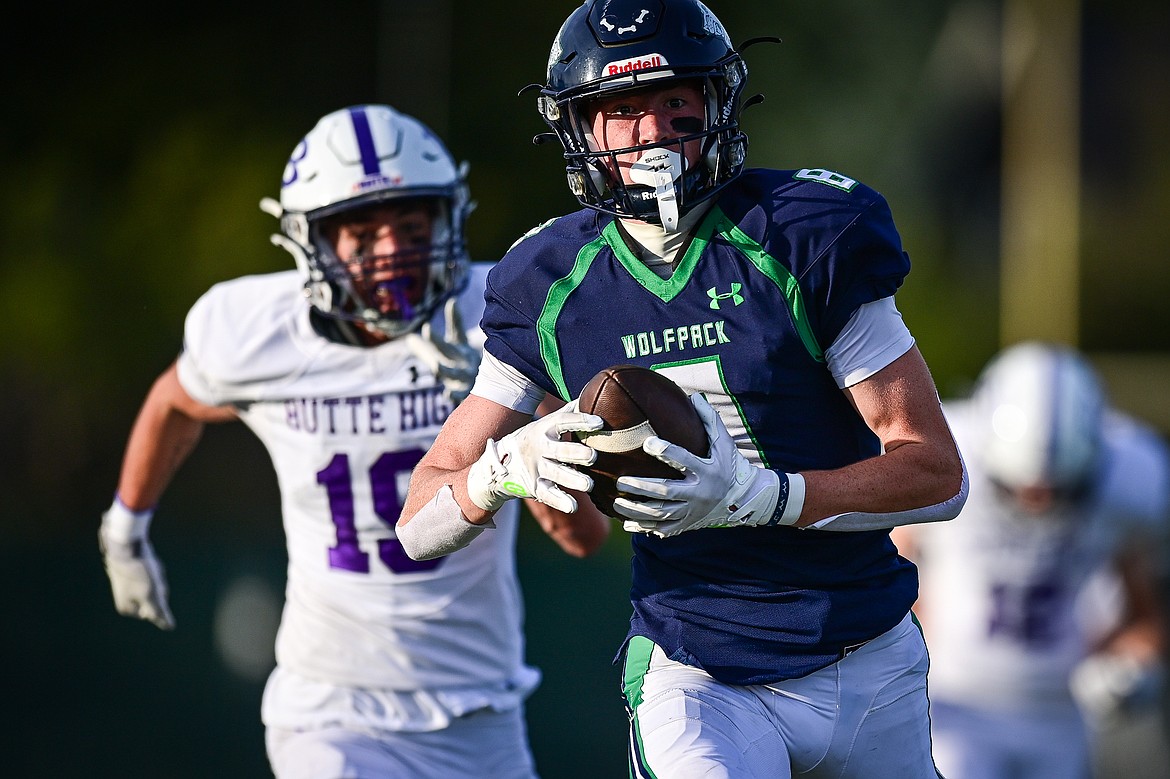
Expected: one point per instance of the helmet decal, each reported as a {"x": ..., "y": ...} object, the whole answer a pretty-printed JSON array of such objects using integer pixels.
[
  {"x": 712, "y": 25},
  {"x": 365, "y": 142},
  {"x": 627, "y": 20}
]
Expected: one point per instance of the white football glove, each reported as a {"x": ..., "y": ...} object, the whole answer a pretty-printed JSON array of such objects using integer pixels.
[
  {"x": 1109, "y": 685},
  {"x": 533, "y": 462},
  {"x": 453, "y": 361},
  {"x": 136, "y": 574},
  {"x": 720, "y": 490}
]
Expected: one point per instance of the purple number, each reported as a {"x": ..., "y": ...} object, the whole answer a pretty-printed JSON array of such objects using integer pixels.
[
  {"x": 347, "y": 554},
  {"x": 1025, "y": 613},
  {"x": 384, "y": 482}
]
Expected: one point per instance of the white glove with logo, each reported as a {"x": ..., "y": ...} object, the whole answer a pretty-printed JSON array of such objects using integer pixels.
[
  {"x": 720, "y": 490},
  {"x": 453, "y": 361},
  {"x": 136, "y": 574},
  {"x": 533, "y": 462}
]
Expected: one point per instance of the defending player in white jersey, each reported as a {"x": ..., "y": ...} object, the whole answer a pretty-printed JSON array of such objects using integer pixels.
[
  {"x": 1067, "y": 499},
  {"x": 346, "y": 369}
]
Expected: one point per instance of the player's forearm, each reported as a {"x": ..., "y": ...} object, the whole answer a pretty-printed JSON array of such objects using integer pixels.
[
  {"x": 426, "y": 482},
  {"x": 167, "y": 428},
  {"x": 910, "y": 476},
  {"x": 1141, "y": 639},
  {"x": 433, "y": 523},
  {"x": 1141, "y": 633},
  {"x": 458, "y": 447},
  {"x": 160, "y": 441}
]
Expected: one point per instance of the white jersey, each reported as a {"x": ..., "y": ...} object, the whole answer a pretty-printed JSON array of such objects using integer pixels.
[
  {"x": 345, "y": 426},
  {"x": 1010, "y": 597}
]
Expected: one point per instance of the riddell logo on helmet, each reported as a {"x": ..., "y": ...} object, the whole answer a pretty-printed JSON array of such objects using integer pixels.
[{"x": 635, "y": 63}]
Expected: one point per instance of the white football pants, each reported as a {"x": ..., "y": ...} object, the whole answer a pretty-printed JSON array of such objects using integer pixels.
[
  {"x": 864, "y": 717},
  {"x": 483, "y": 744},
  {"x": 974, "y": 744}
]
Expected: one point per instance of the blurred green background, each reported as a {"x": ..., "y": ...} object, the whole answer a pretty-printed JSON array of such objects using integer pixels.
[{"x": 136, "y": 148}]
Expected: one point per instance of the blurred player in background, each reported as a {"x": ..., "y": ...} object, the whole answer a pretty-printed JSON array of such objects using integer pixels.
[
  {"x": 771, "y": 633},
  {"x": 1044, "y": 592},
  {"x": 345, "y": 369}
]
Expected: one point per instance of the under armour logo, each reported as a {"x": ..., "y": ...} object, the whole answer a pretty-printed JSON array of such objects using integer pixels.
[
  {"x": 413, "y": 374},
  {"x": 733, "y": 295}
]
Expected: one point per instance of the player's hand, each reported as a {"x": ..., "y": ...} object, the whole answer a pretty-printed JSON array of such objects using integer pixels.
[
  {"x": 720, "y": 490},
  {"x": 1107, "y": 685},
  {"x": 533, "y": 462},
  {"x": 453, "y": 361},
  {"x": 136, "y": 575}
]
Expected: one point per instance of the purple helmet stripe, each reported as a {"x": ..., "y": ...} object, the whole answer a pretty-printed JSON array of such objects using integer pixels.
[
  {"x": 365, "y": 141},
  {"x": 1056, "y": 385}
]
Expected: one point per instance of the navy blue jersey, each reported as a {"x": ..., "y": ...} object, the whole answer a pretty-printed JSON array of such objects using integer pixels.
[{"x": 775, "y": 270}]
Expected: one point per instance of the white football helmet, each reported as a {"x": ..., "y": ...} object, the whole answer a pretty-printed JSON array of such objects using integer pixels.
[
  {"x": 1040, "y": 408},
  {"x": 355, "y": 157}
]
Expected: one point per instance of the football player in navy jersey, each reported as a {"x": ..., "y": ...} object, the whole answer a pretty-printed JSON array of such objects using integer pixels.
[
  {"x": 345, "y": 368},
  {"x": 771, "y": 632}
]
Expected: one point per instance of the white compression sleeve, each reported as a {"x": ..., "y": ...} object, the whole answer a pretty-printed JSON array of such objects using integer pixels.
[
  {"x": 439, "y": 528},
  {"x": 858, "y": 520},
  {"x": 505, "y": 385},
  {"x": 873, "y": 338}
]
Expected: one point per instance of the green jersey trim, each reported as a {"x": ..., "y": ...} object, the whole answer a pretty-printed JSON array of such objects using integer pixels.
[
  {"x": 781, "y": 277},
  {"x": 546, "y": 323},
  {"x": 665, "y": 289}
]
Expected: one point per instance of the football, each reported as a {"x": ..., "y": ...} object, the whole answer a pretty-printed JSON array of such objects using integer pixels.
[{"x": 635, "y": 403}]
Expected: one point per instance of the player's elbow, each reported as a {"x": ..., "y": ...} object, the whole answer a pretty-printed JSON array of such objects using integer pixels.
[
  {"x": 945, "y": 475},
  {"x": 954, "y": 485}
]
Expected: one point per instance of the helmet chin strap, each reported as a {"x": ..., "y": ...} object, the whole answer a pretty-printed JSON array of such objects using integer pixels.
[{"x": 659, "y": 169}]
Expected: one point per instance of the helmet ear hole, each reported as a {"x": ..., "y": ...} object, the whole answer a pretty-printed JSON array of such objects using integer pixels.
[
  {"x": 296, "y": 227},
  {"x": 712, "y": 159},
  {"x": 320, "y": 295}
]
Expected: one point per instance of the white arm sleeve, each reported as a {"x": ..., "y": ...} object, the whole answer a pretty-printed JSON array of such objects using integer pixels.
[
  {"x": 500, "y": 382},
  {"x": 873, "y": 338},
  {"x": 439, "y": 528},
  {"x": 860, "y": 520}
]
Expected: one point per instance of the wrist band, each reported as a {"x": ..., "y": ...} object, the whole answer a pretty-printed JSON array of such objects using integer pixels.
[
  {"x": 122, "y": 524},
  {"x": 790, "y": 501}
]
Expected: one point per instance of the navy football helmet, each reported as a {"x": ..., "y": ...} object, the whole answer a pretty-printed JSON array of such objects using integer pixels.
[{"x": 607, "y": 46}]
